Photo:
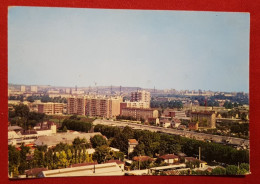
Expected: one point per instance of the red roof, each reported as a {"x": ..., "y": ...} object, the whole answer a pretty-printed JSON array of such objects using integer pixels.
[
  {"x": 169, "y": 156},
  {"x": 176, "y": 120},
  {"x": 193, "y": 123},
  {"x": 30, "y": 145},
  {"x": 192, "y": 159},
  {"x": 132, "y": 141},
  {"x": 35, "y": 171},
  {"x": 142, "y": 158}
]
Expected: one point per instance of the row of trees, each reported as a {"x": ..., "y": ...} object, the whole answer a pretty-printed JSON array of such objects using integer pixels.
[
  {"x": 234, "y": 113},
  {"x": 153, "y": 143},
  {"x": 44, "y": 98},
  {"x": 61, "y": 156},
  {"x": 242, "y": 169},
  {"x": 22, "y": 116},
  {"x": 77, "y": 125},
  {"x": 229, "y": 170},
  {"x": 240, "y": 129},
  {"x": 168, "y": 104},
  {"x": 129, "y": 118},
  {"x": 231, "y": 101},
  {"x": 18, "y": 97},
  {"x": 58, "y": 99}
]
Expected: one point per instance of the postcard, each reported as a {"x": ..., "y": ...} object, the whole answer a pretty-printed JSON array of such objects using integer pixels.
[{"x": 113, "y": 92}]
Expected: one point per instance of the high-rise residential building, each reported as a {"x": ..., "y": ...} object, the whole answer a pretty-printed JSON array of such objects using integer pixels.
[
  {"x": 51, "y": 108},
  {"x": 76, "y": 105},
  {"x": 94, "y": 106},
  {"x": 141, "y": 96},
  {"x": 103, "y": 106},
  {"x": 23, "y": 88},
  {"x": 34, "y": 89},
  {"x": 68, "y": 90}
]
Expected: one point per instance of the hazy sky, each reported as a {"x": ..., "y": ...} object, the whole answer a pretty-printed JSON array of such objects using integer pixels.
[{"x": 144, "y": 48}]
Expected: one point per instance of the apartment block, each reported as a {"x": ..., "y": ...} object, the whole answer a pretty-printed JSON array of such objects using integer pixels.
[
  {"x": 140, "y": 104},
  {"x": 139, "y": 114},
  {"x": 23, "y": 89},
  {"x": 34, "y": 89},
  {"x": 51, "y": 108},
  {"x": 141, "y": 96},
  {"x": 76, "y": 105},
  {"x": 94, "y": 106},
  {"x": 103, "y": 107},
  {"x": 205, "y": 119}
]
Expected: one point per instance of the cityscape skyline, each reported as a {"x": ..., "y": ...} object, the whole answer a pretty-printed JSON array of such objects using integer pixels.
[
  {"x": 143, "y": 48},
  {"x": 93, "y": 87}
]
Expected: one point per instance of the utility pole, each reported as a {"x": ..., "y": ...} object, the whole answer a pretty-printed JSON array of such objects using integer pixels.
[
  {"x": 139, "y": 162},
  {"x": 199, "y": 153}
]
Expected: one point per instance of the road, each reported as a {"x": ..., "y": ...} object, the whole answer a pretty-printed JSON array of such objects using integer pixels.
[{"x": 242, "y": 143}]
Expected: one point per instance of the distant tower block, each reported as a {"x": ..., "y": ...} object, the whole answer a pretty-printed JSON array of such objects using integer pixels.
[
  {"x": 120, "y": 90},
  {"x": 141, "y": 96},
  {"x": 34, "y": 89},
  {"x": 67, "y": 90},
  {"x": 22, "y": 88}
]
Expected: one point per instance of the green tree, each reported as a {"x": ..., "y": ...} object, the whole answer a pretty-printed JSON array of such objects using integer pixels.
[
  {"x": 62, "y": 159},
  {"x": 102, "y": 154},
  {"x": 98, "y": 140},
  {"x": 64, "y": 129},
  {"x": 49, "y": 159},
  {"x": 38, "y": 158},
  {"x": 218, "y": 171},
  {"x": 241, "y": 171},
  {"x": 121, "y": 142},
  {"x": 232, "y": 170},
  {"x": 14, "y": 159},
  {"x": 21, "y": 110},
  {"x": 42, "y": 148},
  {"x": 128, "y": 132},
  {"x": 23, "y": 153},
  {"x": 244, "y": 166},
  {"x": 118, "y": 155}
]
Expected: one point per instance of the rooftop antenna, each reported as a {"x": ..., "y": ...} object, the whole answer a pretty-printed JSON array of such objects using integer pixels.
[{"x": 89, "y": 88}]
